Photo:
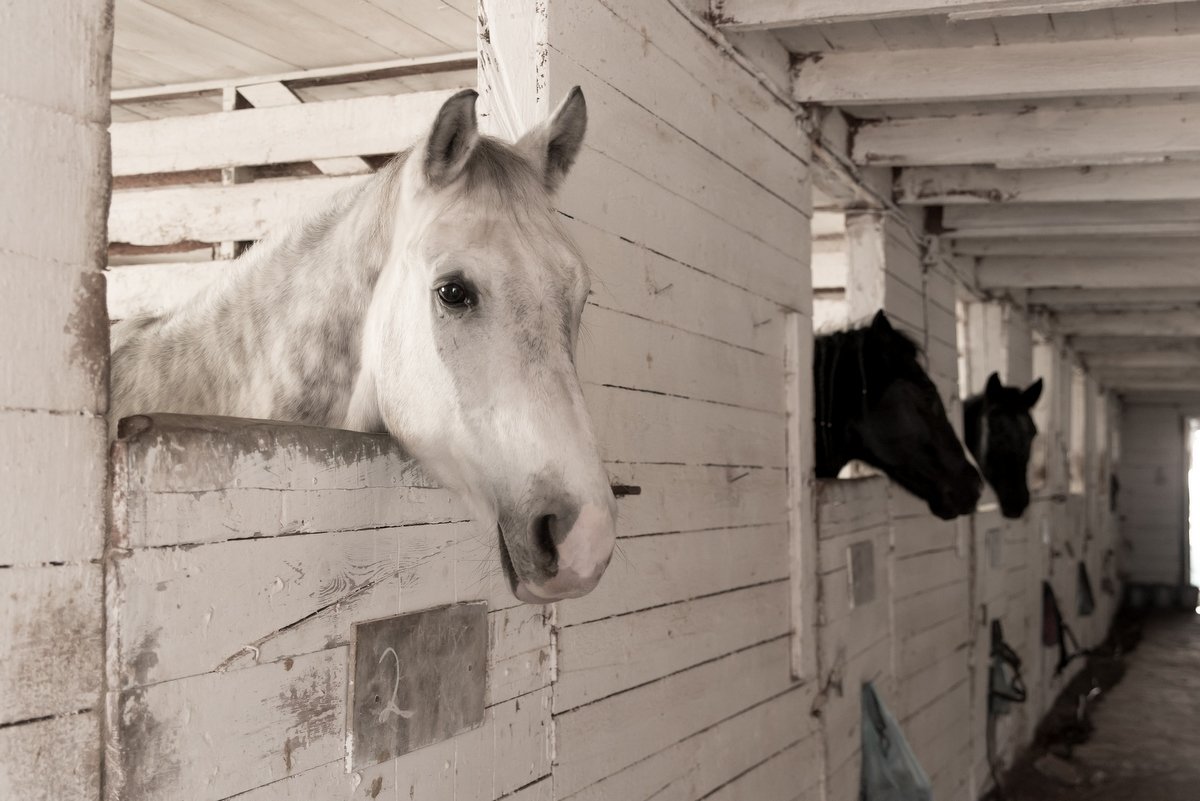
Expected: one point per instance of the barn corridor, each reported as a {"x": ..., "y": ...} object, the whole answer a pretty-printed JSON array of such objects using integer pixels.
[{"x": 1146, "y": 740}]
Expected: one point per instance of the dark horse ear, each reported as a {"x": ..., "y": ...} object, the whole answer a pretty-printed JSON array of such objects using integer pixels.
[
  {"x": 1031, "y": 394},
  {"x": 555, "y": 143},
  {"x": 452, "y": 139},
  {"x": 994, "y": 389},
  {"x": 881, "y": 325}
]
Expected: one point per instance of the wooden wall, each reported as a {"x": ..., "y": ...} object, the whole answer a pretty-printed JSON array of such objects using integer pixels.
[{"x": 53, "y": 393}]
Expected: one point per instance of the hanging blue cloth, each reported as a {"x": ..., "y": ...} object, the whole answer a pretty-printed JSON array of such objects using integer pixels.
[{"x": 890, "y": 771}]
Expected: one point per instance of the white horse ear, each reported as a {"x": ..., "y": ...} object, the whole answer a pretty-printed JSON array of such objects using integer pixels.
[
  {"x": 555, "y": 143},
  {"x": 452, "y": 139}
]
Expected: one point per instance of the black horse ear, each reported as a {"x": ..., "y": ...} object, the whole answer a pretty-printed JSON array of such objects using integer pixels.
[
  {"x": 1031, "y": 394},
  {"x": 994, "y": 388},
  {"x": 881, "y": 325},
  {"x": 452, "y": 139}
]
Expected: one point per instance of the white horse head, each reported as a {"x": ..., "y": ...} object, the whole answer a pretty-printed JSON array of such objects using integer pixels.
[
  {"x": 440, "y": 300},
  {"x": 469, "y": 346}
]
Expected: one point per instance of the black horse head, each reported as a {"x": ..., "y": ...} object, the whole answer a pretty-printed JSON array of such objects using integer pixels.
[
  {"x": 876, "y": 403},
  {"x": 999, "y": 431}
]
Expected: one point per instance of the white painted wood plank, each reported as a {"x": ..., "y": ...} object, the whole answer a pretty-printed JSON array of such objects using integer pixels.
[
  {"x": 362, "y": 126},
  {"x": 802, "y": 502},
  {"x": 786, "y": 776},
  {"x": 282, "y": 598},
  {"x": 720, "y": 122},
  {"x": 703, "y": 762},
  {"x": 634, "y": 426},
  {"x": 216, "y": 213},
  {"x": 1163, "y": 65},
  {"x": 688, "y": 498},
  {"x": 652, "y": 571},
  {"x": 608, "y": 656},
  {"x": 185, "y": 480},
  {"x": 608, "y": 195},
  {"x": 1087, "y": 273},
  {"x": 773, "y": 210},
  {"x": 599, "y": 739},
  {"x": 1097, "y": 299},
  {"x": 621, "y": 350},
  {"x": 153, "y": 288},
  {"x": 1131, "y": 247},
  {"x": 1074, "y": 219},
  {"x": 58, "y": 489},
  {"x": 51, "y": 623},
  {"x": 634, "y": 279},
  {"x": 56, "y": 759},
  {"x": 1040, "y": 138},
  {"x": 935, "y": 186},
  {"x": 751, "y": 14}
]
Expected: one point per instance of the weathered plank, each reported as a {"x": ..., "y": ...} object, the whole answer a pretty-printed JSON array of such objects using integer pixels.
[
  {"x": 638, "y": 426},
  {"x": 703, "y": 762},
  {"x": 751, "y": 14},
  {"x": 607, "y": 656},
  {"x": 183, "y": 480},
  {"x": 359, "y": 126},
  {"x": 216, "y": 213},
  {"x": 51, "y": 624},
  {"x": 1162, "y": 65},
  {"x": 53, "y": 759},
  {"x": 57, "y": 512},
  {"x": 1168, "y": 322},
  {"x": 1084, "y": 273},
  {"x": 1074, "y": 219},
  {"x": 647, "y": 572},
  {"x": 937, "y": 186},
  {"x": 599, "y": 739},
  {"x": 153, "y": 288},
  {"x": 283, "y": 597},
  {"x": 1040, "y": 138},
  {"x": 622, "y": 350}
]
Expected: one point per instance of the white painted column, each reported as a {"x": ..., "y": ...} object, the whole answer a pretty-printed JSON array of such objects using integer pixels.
[{"x": 54, "y": 81}]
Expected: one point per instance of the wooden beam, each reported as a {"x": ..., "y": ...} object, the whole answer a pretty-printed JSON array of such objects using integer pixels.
[
  {"x": 1036, "y": 272},
  {"x": 321, "y": 76},
  {"x": 355, "y": 127},
  {"x": 1145, "y": 359},
  {"x": 1169, "y": 323},
  {"x": 1131, "y": 247},
  {"x": 751, "y": 14},
  {"x": 1040, "y": 69},
  {"x": 1049, "y": 137},
  {"x": 1162, "y": 218},
  {"x": 275, "y": 93},
  {"x": 843, "y": 184},
  {"x": 943, "y": 186},
  {"x": 1087, "y": 345},
  {"x": 1096, "y": 299},
  {"x": 213, "y": 213}
]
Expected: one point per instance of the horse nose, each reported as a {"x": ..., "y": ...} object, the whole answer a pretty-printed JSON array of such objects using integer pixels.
[{"x": 578, "y": 545}]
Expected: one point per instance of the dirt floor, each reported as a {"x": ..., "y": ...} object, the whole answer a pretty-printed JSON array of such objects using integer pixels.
[{"x": 1144, "y": 741}]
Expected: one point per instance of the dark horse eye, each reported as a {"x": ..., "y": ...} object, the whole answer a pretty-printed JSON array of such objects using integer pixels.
[{"x": 453, "y": 294}]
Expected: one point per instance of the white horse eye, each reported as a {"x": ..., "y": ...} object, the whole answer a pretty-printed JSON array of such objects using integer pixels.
[{"x": 454, "y": 294}]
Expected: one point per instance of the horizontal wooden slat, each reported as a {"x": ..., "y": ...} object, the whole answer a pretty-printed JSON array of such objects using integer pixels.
[
  {"x": 1039, "y": 138},
  {"x": 936, "y": 186},
  {"x": 1074, "y": 219},
  {"x": 664, "y": 640},
  {"x": 599, "y": 739},
  {"x": 1087, "y": 273},
  {"x": 1027, "y": 70},
  {"x": 153, "y": 288},
  {"x": 751, "y": 14},
  {"x": 1129, "y": 247},
  {"x": 52, "y": 759},
  {"x": 356, "y": 127},
  {"x": 652, "y": 571},
  {"x": 216, "y": 213},
  {"x": 1113, "y": 298}
]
